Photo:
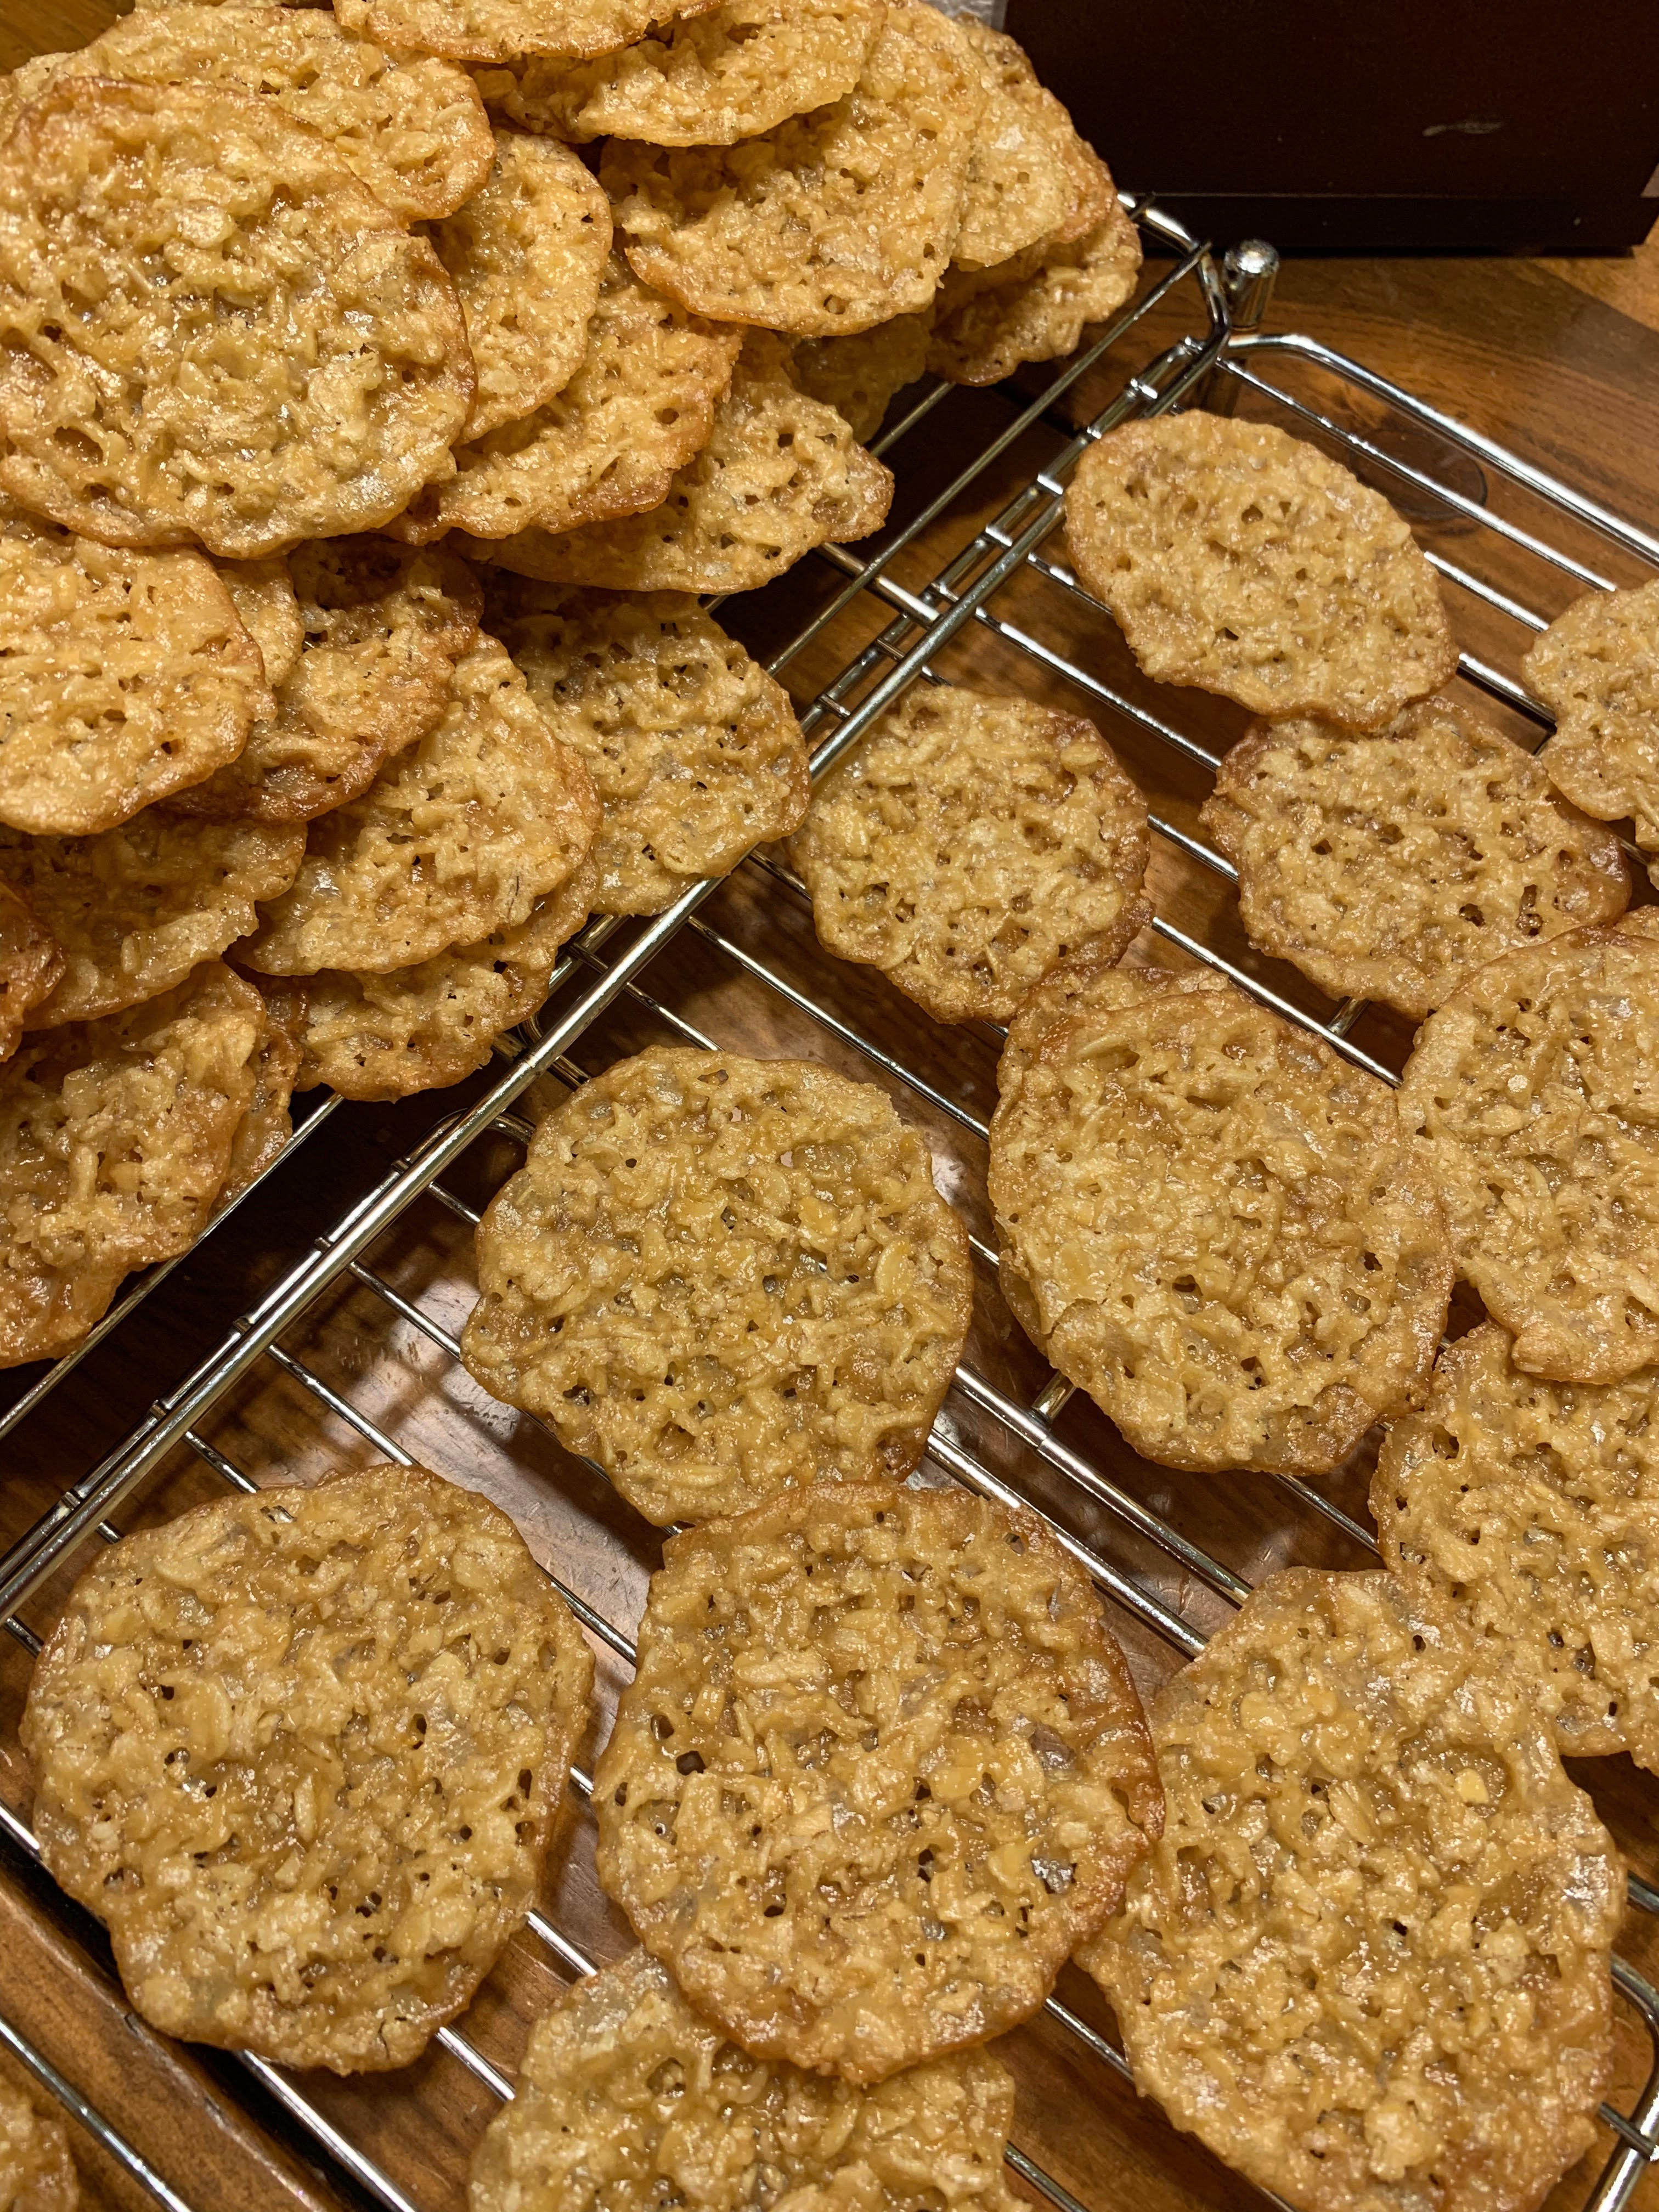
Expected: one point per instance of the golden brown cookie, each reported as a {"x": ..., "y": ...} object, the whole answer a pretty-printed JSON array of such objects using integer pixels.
[
  {"x": 1368, "y": 1962},
  {"x": 457, "y": 836},
  {"x": 115, "y": 1138},
  {"x": 1241, "y": 559},
  {"x": 1032, "y": 180},
  {"x": 1533, "y": 1099},
  {"x": 723, "y": 1279},
  {"x": 731, "y": 72},
  {"x": 781, "y": 473},
  {"x": 124, "y": 677},
  {"x": 1388, "y": 864},
  {"x": 1532, "y": 1509},
  {"x": 694, "y": 749},
  {"x": 1215, "y": 1224},
  {"x": 421, "y": 1028},
  {"x": 499, "y": 30},
  {"x": 135, "y": 909},
  {"x": 124, "y": 411},
  {"x": 267, "y": 1125},
  {"x": 880, "y": 1769},
  {"x": 367, "y": 643},
  {"x": 527, "y": 256},
  {"x": 31, "y": 965},
  {"x": 639, "y": 407},
  {"x": 969, "y": 842},
  {"x": 1033, "y": 308},
  {"x": 303, "y": 1753},
  {"x": 1596, "y": 668},
  {"x": 831, "y": 221},
  {"x": 625, "y": 2088},
  {"x": 858, "y": 376},
  {"x": 36, "y": 2172},
  {"x": 412, "y": 129}
]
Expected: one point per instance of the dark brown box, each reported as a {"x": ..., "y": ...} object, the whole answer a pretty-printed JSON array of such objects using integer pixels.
[{"x": 1400, "y": 125}]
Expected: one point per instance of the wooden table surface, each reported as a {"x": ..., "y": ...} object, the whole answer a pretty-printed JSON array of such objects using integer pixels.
[{"x": 1561, "y": 361}]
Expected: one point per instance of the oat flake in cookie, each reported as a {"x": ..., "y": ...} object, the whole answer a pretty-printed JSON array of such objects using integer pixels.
[
  {"x": 302, "y": 1752},
  {"x": 1368, "y": 1963},
  {"x": 723, "y": 1278},
  {"x": 625, "y": 2098},
  {"x": 880, "y": 1769}
]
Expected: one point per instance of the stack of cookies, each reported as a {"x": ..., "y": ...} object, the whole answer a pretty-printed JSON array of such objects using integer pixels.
[{"x": 601, "y": 297}]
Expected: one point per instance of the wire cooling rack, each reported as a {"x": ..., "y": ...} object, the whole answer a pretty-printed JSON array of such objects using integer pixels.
[{"x": 358, "y": 1337}]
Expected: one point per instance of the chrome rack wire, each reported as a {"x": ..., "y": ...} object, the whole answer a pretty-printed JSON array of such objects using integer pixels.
[
  {"x": 1222, "y": 358},
  {"x": 90, "y": 2118}
]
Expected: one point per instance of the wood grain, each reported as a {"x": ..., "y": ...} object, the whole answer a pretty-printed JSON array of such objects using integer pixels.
[{"x": 1521, "y": 351}]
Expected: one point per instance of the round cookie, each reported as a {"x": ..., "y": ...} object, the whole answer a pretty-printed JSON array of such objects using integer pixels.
[
  {"x": 723, "y": 1279},
  {"x": 1035, "y": 307},
  {"x": 858, "y": 376},
  {"x": 1533, "y": 1098},
  {"x": 459, "y": 836},
  {"x": 303, "y": 1753},
  {"x": 31, "y": 965},
  {"x": 425, "y": 1027},
  {"x": 527, "y": 256},
  {"x": 124, "y": 677},
  {"x": 1368, "y": 1962},
  {"x": 498, "y": 30},
  {"x": 1533, "y": 1510},
  {"x": 694, "y": 749},
  {"x": 126, "y": 413},
  {"x": 115, "y": 1140},
  {"x": 36, "y": 2172},
  {"x": 412, "y": 129},
  {"x": 1388, "y": 866},
  {"x": 640, "y": 406},
  {"x": 880, "y": 1769},
  {"x": 781, "y": 473},
  {"x": 1032, "y": 180},
  {"x": 621, "y": 2075},
  {"x": 967, "y": 844},
  {"x": 833, "y": 221},
  {"x": 707, "y": 80},
  {"x": 135, "y": 909},
  {"x": 1596, "y": 668},
  {"x": 366, "y": 641},
  {"x": 1241, "y": 559},
  {"x": 1215, "y": 1224}
]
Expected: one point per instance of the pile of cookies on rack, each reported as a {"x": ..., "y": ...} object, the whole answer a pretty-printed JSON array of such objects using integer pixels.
[{"x": 380, "y": 387}]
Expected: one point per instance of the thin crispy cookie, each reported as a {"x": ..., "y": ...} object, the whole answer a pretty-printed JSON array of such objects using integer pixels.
[
  {"x": 1596, "y": 668},
  {"x": 123, "y": 677},
  {"x": 589, "y": 2102},
  {"x": 368, "y": 640},
  {"x": 1241, "y": 559},
  {"x": 781, "y": 473},
  {"x": 303, "y": 1753},
  {"x": 527, "y": 256},
  {"x": 498, "y": 30},
  {"x": 694, "y": 749},
  {"x": 413, "y": 129},
  {"x": 970, "y": 843},
  {"x": 459, "y": 836},
  {"x": 1035, "y": 308},
  {"x": 641, "y": 406},
  {"x": 1215, "y": 1225},
  {"x": 858, "y": 376},
  {"x": 126, "y": 413},
  {"x": 707, "y": 79},
  {"x": 1032, "y": 180},
  {"x": 136, "y": 908},
  {"x": 267, "y": 1125},
  {"x": 880, "y": 1770},
  {"x": 1532, "y": 1509},
  {"x": 1389, "y": 865},
  {"x": 1368, "y": 1962},
  {"x": 723, "y": 1279},
  {"x": 830, "y": 223},
  {"x": 425, "y": 1027},
  {"x": 1533, "y": 1097},
  {"x": 36, "y": 2172},
  {"x": 115, "y": 1138},
  {"x": 31, "y": 964}
]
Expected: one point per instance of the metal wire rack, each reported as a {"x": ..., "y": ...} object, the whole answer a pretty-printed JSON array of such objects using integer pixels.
[{"x": 1000, "y": 585}]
